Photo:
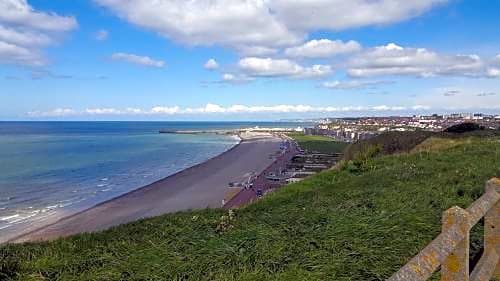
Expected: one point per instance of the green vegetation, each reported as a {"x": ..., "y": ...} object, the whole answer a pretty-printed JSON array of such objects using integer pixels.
[
  {"x": 402, "y": 142},
  {"x": 385, "y": 144},
  {"x": 360, "y": 222},
  {"x": 319, "y": 144}
]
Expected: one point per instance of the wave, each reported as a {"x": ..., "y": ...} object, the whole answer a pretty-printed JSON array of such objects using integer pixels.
[{"x": 87, "y": 183}]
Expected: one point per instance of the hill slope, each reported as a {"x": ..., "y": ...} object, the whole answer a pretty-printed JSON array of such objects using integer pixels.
[
  {"x": 357, "y": 223},
  {"x": 321, "y": 144}
]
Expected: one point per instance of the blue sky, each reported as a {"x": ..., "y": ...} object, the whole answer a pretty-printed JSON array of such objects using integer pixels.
[{"x": 270, "y": 59}]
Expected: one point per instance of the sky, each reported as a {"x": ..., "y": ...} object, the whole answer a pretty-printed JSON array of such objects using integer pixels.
[{"x": 246, "y": 59}]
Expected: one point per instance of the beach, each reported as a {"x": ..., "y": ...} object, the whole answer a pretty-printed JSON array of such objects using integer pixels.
[{"x": 202, "y": 186}]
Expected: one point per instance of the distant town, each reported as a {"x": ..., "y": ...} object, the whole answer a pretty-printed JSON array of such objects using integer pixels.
[{"x": 353, "y": 129}]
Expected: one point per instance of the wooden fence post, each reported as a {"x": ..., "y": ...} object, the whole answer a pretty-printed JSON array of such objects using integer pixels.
[
  {"x": 492, "y": 225},
  {"x": 456, "y": 266}
]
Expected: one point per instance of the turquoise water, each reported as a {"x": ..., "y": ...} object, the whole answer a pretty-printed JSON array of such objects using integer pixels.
[{"x": 53, "y": 169}]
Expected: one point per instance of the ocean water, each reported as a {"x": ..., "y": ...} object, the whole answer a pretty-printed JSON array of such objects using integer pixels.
[{"x": 49, "y": 170}]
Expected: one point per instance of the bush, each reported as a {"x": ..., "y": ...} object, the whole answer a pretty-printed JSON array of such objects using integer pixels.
[
  {"x": 386, "y": 144},
  {"x": 463, "y": 128}
]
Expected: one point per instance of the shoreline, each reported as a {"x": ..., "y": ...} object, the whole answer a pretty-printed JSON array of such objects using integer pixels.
[{"x": 176, "y": 185}]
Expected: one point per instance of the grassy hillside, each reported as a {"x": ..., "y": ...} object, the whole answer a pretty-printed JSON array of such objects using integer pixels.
[
  {"x": 387, "y": 143},
  {"x": 319, "y": 144},
  {"x": 400, "y": 142},
  {"x": 361, "y": 222}
]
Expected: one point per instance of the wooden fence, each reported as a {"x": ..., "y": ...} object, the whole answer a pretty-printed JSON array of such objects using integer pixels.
[{"x": 450, "y": 250}]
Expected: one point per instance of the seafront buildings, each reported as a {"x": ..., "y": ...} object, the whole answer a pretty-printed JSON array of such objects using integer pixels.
[{"x": 354, "y": 129}]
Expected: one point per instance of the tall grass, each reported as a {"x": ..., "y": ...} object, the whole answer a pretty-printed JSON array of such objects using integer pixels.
[{"x": 345, "y": 224}]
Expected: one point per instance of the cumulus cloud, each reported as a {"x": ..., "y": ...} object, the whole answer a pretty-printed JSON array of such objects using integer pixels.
[
  {"x": 386, "y": 60},
  {"x": 211, "y": 64},
  {"x": 323, "y": 48},
  {"x": 14, "y": 54},
  {"x": 259, "y": 23},
  {"x": 139, "y": 60},
  {"x": 497, "y": 60},
  {"x": 224, "y": 22},
  {"x": 24, "y": 32},
  {"x": 396, "y": 60},
  {"x": 341, "y": 14},
  {"x": 24, "y": 38},
  {"x": 101, "y": 35},
  {"x": 493, "y": 72},
  {"x": 212, "y": 108},
  {"x": 268, "y": 67},
  {"x": 354, "y": 84},
  {"x": 20, "y": 13}
]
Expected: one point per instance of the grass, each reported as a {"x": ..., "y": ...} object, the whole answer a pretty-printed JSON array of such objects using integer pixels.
[
  {"x": 387, "y": 143},
  {"x": 319, "y": 144},
  {"x": 362, "y": 222}
]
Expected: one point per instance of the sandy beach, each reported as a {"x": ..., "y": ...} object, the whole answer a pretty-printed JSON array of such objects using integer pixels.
[{"x": 198, "y": 187}]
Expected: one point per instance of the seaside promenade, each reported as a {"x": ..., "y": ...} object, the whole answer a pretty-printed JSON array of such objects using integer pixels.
[{"x": 260, "y": 185}]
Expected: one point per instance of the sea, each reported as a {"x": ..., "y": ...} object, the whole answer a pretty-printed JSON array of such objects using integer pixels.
[{"x": 49, "y": 170}]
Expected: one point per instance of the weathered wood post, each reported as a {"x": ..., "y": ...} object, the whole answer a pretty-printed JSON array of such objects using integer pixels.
[
  {"x": 456, "y": 266},
  {"x": 492, "y": 225}
]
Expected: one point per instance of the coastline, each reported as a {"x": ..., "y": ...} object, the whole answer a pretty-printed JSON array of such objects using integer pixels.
[{"x": 201, "y": 186}]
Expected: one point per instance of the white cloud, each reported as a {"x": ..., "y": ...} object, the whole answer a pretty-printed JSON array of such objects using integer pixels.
[
  {"x": 262, "y": 23},
  {"x": 101, "y": 35},
  {"x": 101, "y": 111},
  {"x": 268, "y": 67},
  {"x": 341, "y": 14},
  {"x": 165, "y": 110},
  {"x": 211, "y": 64},
  {"x": 228, "y": 77},
  {"x": 58, "y": 112},
  {"x": 421, "y": 107},
  {"x": 315, "y": 71},
  {"x": 20, "y": 13},
  {"x": 225, "y": 22},
  {"x": 13, "y": 54},
  {"x": 497, "y": 60},
  {"x": 212, "y": 108},
  {"x": 396, "y": 60},
  {"x": 139, "y": 60},
  {"x": 323, "y": 48},
  {"x": 113, "y": 111},
  {"x": 493, "y": 72},
  {"x": 24, "y": 38},
  {"x": 235, "y": 78},
  {"x": 353, "y": 84},
  {"x": 24, "y": 32}
]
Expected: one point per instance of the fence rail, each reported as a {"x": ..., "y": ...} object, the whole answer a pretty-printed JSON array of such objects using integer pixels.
[{"x": 450, "y": 250}]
